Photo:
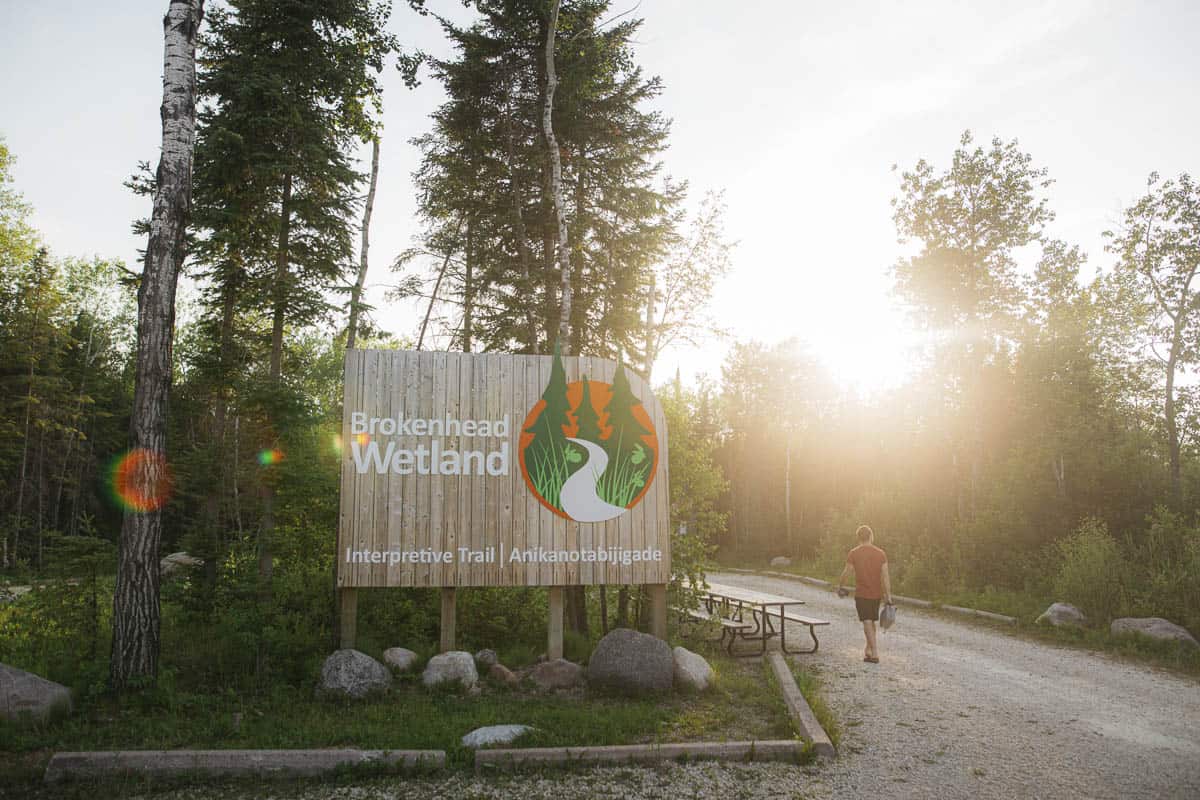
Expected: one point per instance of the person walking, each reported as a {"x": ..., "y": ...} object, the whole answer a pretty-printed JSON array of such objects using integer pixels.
[{"x": 872, "y": 584}]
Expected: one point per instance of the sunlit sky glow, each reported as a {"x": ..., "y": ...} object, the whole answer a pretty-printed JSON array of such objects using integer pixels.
[{"x": 797, "y": 110}]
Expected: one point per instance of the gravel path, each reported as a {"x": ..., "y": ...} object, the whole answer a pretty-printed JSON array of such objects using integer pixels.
[{"x": 956, "y": 710}]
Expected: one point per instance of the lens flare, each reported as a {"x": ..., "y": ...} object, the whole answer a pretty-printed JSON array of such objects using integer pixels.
[
  {"x": 268, "y": 458},
  {"x": 140, "y": 480},
  {"x": 362, "y": 439}
]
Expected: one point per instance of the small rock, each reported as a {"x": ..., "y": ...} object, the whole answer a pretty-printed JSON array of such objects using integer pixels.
[
  {"x": 350, "y": 673},
  {"x": 475, "y": 691},
  {"x": 503, "y": 675},
  {"x": 486, "y": 658},
  {"x": 23, "y": 693},
  {"x": 177, "y": 563},
  {"x": 557, "y": 674},
  {"x": 453, "y": 667},
  {"x": 692, "y": 672},
  {"x": 494, "y": 734},
  {"x": 1155, "y": 628},
  {"x": 400, "y": 659},
  {"x": 631, "y": 662},
  {"x": 1062, "y": 615},
  {"x": 781, "y": 561}
]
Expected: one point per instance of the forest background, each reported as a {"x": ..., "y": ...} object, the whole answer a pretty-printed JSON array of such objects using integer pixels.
[{"x": 1041, "y": 447}]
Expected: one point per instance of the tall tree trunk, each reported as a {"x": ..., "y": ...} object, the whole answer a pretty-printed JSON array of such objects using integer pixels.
[
  {"x": 469, "y": 287},
  {"x": 560, "y": 216},
  {"x": 437, "y": 285},
  {"x": 212, "y": 501},
  {"x": 1169, "y": 413},
  {"x": 135, "y": 642},
  {"x": 522, "y": 237},
  {"x": 576, "y": 599},
  {"x": 266, "y": 526},
  {"x": 787, "y": 493},
  {"x": 356, "y": 295}
]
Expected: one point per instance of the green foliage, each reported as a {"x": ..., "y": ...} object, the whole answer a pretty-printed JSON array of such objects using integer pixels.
[
  {"x": 484, "y": 190},
  {"x": 1093, "y": 572},
  {"x": 696, "y": 487}
]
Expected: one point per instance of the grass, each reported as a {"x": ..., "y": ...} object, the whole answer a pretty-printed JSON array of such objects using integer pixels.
[
  {"x": 741, "y": 705},
  {"x": 810, "y": 686}
]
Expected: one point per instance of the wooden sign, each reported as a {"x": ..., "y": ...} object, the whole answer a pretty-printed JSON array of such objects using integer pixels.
[{"x": 465, "y": 469}]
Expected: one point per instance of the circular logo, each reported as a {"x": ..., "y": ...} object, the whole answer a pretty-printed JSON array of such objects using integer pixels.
[{"x": 588, "y": 449}]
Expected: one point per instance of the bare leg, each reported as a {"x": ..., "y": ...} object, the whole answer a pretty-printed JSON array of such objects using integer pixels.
[{"x": 869, "y": 630}]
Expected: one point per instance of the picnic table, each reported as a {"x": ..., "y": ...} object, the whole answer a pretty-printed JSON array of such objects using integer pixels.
[{"x": 756, "y": 616}]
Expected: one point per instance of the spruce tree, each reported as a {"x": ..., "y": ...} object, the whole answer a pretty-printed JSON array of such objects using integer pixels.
[{"x": 586, "y": 416}]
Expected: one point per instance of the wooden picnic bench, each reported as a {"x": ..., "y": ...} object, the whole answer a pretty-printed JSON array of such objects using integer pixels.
[
  {"x": 812, "y": 622},
  {"x": 769, "y": 615},
  {"x": 729, "y": 627}
]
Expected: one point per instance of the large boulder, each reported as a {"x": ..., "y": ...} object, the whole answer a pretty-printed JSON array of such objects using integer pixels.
[
  {"x": 400, "y": 659},
  {"x": 349, "y": 673},
  {"x": 503, "y": 675},
  {"x": 1155, "y": 628},
  {"x": 494, "y": 734},
  {"x": 630, "y": 662},
  {"x": 781, "y": 561},
  {"x": 557, "y": 674},
  {"x": 450, "y": 668},
  {"x": 692, "y": 672},
  {"x": 1062, "y": 615},
  {"x": 25, "y": 695},
  {"x": 177, "y": 563}
]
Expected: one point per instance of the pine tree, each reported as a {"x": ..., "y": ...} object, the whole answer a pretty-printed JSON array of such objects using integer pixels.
[
  {"x": 546, "y": 457},
  {"x": 586, "y": 416}
]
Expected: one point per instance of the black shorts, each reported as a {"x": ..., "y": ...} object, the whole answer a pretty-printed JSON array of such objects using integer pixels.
[{"x": 867, "y": 609}]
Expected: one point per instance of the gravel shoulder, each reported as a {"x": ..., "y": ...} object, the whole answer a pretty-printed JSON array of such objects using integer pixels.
[{"x": 957, "y": 710}]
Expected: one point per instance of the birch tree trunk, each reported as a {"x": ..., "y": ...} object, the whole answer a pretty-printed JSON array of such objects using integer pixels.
[
  {"x": 356, "y": 295},
  {"x": 135, "y": 642},
  {"x": 563, "y": 254}
]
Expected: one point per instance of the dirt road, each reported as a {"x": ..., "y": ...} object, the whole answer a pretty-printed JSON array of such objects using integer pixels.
[{"x": 956, "y": 710}]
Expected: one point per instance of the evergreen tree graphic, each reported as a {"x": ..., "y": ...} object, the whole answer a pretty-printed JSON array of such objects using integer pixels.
[
  {"x": 550, "y": 458},
  {"x": 586, "y": 416},
  {"x": 629, "y": 459}
]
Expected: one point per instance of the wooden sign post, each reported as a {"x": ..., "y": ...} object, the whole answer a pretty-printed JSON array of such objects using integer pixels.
[{"x": 464, "y": 469}]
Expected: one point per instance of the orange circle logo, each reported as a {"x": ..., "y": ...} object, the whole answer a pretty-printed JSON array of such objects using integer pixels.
[{"x": 588, "y": 450}]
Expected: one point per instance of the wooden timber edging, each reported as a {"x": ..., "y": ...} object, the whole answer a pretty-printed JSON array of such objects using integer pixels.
[
  {"x": 900, "y": 599},
  {"x": 769, "y": 750},
  {"x": 261, "y": 763},
  {"x": 798, "y": 708}
]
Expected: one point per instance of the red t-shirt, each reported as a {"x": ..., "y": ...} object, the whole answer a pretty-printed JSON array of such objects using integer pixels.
[{"x": 868, "y": 561}]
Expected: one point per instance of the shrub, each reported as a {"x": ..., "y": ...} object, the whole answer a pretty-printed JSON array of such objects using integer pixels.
[{"x": 1092, "y": 572}]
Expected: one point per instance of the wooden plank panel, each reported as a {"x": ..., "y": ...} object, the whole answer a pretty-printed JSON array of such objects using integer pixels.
[
  {"x": 533, "y": 508},
  {"x": 395, "y": 365},
  {"x": 402, "y": 504},
  {"x": 408, "y": 483},
  {"x": 566, "y": 532},
  {"x": 504, "y": 524},
  {"x": 491, "y": 494},
  {"x": 465, "y": 510},
  {"x": 437, "y": 490}
]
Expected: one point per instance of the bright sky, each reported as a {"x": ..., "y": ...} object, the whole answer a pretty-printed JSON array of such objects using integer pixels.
[{"x": 798, "y": 110}]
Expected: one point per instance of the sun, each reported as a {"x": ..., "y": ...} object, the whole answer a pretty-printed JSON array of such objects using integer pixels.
[{"x": 869, "y": 351}]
